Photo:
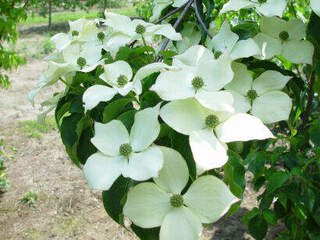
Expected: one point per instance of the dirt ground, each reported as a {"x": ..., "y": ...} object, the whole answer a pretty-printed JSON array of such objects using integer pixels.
[{"x": 65, "y": 208}]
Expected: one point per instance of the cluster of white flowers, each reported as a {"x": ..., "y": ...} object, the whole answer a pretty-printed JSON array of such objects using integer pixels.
[{"x": 206, "y": 95}]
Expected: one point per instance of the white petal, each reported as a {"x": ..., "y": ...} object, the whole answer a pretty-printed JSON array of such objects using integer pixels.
[
  {"x": 242, "y": 127},
  {"x": 191, "y": 36},
  {"x": 315, "y": 5},
  {"x": 119, "y": 23},
  {"x": 242, "y": 81},
  {"x": 272, "y": 26},
  {"x": 101, "y": 170},
  {"x": 194, "y": 56},
  {"x": 184, "y": 116},
  {"x": 61, "y": 40},
  {"x": 208, "y": 152},
  {"x": 241, "y": 103},
  {"x": 167, "y": 31},
  {"x": 268, "y": 45},
  {"x": 71, "y": 53},
  {"x": 179, "y": 3},
  {"x": 114, "y": 70},
  {"x": 144, "y": 165},
  {"x": 298, "y": 51},
  {"x": 95, "y": 94},
  {"x": 216, "y": 101},
  {"x": 157, "y": 9},
  {"x": 174, "y": 85},
  {"x": 209, "y": 198},
  {"x": 141, "y": 136},
  {"x": 272, "y": 107},
  {"x": 269, "y": 81},
  {"x": 56, "y": 70},
  {"x": 115, "y": 41},
  {"x": 296, "y": 29},
  {"x": 180, "y": 223},
  {"x": 245, "y": 49},
  {"x": 77, "y": 25},
  {"x": 236, "y": 5},
  {"x": 147, "y": 205},
  {"x": 174, "y": 175},
  {"x": 109, "y": 137},
  {"x": 272, "y": 8}
]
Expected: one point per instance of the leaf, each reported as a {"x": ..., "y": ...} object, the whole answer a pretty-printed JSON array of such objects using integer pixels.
[
  {"x": 246, "y": 30},
  {"x": 270, "y": 216},
  {"x": 114, "y": 199},
  {"x": 146, "y": 234},
  {"x": 149, "y": 99},
  {"x": 249, "y": 215},
  {"x": 112, "y": 110},
  {"x": 68, "y": 129},
  {"x": 314, "y": 133},
  {"x": 127, "y": 118},
  {"x": 256, "y": 162},
  {"x": 277, "y": 180},
  {"x": 258, "y": 227}
]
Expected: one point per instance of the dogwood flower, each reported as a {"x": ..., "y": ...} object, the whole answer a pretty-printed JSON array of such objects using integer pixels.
[
  {"x": 126, "y": 30},
  {"x": 315, "y": 5},
  {"x": 267, "y": 8},
  {"x": 191, "y": 36},
  {"x": 228, "y": 40},
  {"x": 210, "y": 130},
  {"x": 179, "y": 216},
  {"x": 280, "y": 37},
  {"x": 201, "y": 76},
  {"x": 81, "y": 30},
  {"x": 119, "y": 153},
  {"x": 119, "y": 76},
  {"x": 263, "y": 96}
]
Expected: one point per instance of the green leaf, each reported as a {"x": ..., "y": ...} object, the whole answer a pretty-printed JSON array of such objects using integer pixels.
[
  {"x": 68, "y": 129},
  {"x": 258, "y": 227},
  {"x": 256, "y": 162},
  {"x": 112, "y": 110},
  {"x": 114, "y": 199},
  {"x": 146, "y": 234},
  {"x": 314, "y": 133},
  {"x": 249, "y": 215},
  {"x": 276, "y": 181},
  {"x": 127, "y": 118},
  {"x": 149, "y": 99},
  {"x": 246, "y": 30},
  {"x": 270, "y": 216}
]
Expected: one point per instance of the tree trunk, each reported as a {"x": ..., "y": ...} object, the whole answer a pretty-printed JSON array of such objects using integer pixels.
[
  {"x": 50, "y": 14},
  {"x": 105, "y": 5}
]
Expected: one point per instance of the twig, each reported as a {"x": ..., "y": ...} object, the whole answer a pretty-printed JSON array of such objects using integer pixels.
[
  {"x": 171, "y": 13},
  {"x": 176, "y": 24},
  {"x": 310, "y": 99},
  {"x": 203, "y": 26}
]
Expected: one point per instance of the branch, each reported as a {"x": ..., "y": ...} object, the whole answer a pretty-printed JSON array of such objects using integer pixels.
[
  {"x": 171, "y": 13},
  {"x": 176, "y": 24},
  {"x": 203, "y": 26},
  {"x": 310, "y": 99}
]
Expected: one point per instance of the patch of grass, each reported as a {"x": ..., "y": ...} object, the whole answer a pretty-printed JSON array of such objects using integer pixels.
[
  {"x": 29, "y": 198},
  {"x": 33, "y": 233},
  {"x": 71, "y": 16},
  {"x": 34, "y": 129}
]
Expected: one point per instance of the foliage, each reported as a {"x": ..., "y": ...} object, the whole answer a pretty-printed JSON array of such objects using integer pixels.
[
  {"x": 29, "y": 198},
  {"x": 35, "y": 129},
  {"x": 4, "y": 184}
]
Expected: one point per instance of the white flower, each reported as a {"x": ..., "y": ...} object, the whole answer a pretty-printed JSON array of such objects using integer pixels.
[
  {"x": 279, "y": 37},
  {"x": 210, "y": 130},
  {"x": 228, "y": 40},
  {"x": 118, "y": 75},
  {"x": 269, "y": 8},
  {"x": 81, "y": 30},
  {"x": 201, "y": 76},
  {"x": 262, "y": 97},
  {"x": 126, "y": 30},
  {"x": 191, "y": 36},
  {"x": 119, "y": 153},
  {"x": 180, "y": 216},
  {"x": 160, "y": 5},
  {"x": 315, "y": 5}
]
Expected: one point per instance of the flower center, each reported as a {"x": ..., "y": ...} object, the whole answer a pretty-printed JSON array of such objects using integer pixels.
[
  {"x": 217, "y": 54},
  {"x": 122, "y": 81},
  {"x": 81, "y": 61},
  {"x": 100, "y": 36},
  {"x": 125, "y": 150},
  {"x": 75, "y": 33},
  {"x": 176, "y": 201},
  {"x": 284, "y": 35},
  {"x": 197, "y": 83},
  {"x": 212, "y": 121},
  {"x": 252, "y": 94},
  {"x": 140, "y": 29}
]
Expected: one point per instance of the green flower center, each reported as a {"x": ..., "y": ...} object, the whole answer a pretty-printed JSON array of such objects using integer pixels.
[
  {"x": 75, "y": 33},
  {"x": 81, "y": 61},
  {"x": 140, "y": 29},
  {"x": 217, "y": 54},
  {"x": 284, "y": 35},
  {"x": 252, "y": 94},
  {"x": 197, "y": 83},
  {"x": 176, "y": 201},
  {"x": 125, "y": 150},
  {"x": 212, "y": 121},
  {"x": 100, "y": 36},
  {"x": 122, "y": 81}
]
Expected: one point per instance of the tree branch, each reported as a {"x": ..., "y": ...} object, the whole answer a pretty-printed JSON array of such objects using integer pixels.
[
  {"x": 171, "y": 13},
  {"x": 310, "y": 99},
  {"x": 203, "y": 26}
]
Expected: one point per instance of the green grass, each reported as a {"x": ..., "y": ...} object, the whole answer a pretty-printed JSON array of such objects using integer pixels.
[
  {"x": 34, "y": 129},
  {"x": 71, "y": 16}
]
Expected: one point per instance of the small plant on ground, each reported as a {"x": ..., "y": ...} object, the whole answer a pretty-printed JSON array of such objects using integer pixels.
[
  {"x": 29, "y": 198},
  {"x": 35, "y": 129}
]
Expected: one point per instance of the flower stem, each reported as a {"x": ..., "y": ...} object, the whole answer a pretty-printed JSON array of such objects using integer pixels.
[{"x": 146, "y": 46}]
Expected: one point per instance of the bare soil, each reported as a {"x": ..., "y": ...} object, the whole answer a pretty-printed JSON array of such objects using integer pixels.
[{"x": 66, "y": 208}]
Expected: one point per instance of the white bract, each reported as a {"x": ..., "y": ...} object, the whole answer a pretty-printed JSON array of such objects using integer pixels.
[
  {"x": 190, "y": 36},
  {"x": 267, "y": 8},
  {"x": 210, "y": 130},
  {"x": 160, "y": 5},
  {"x": 315, "y": 5},
  {"x": 119, "y": 153},
  {"x": 119, "y": 76},
  {"x": 263, "y": 96},
  {"x": 180, "y": 216},
  {"x": 126, "y": 30},
  {"x": 226, "y": 40},
  {"x": 200, "y": 76},
  {"x": 81, "y": 30},
  {"x": 280, "y": 37}
]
